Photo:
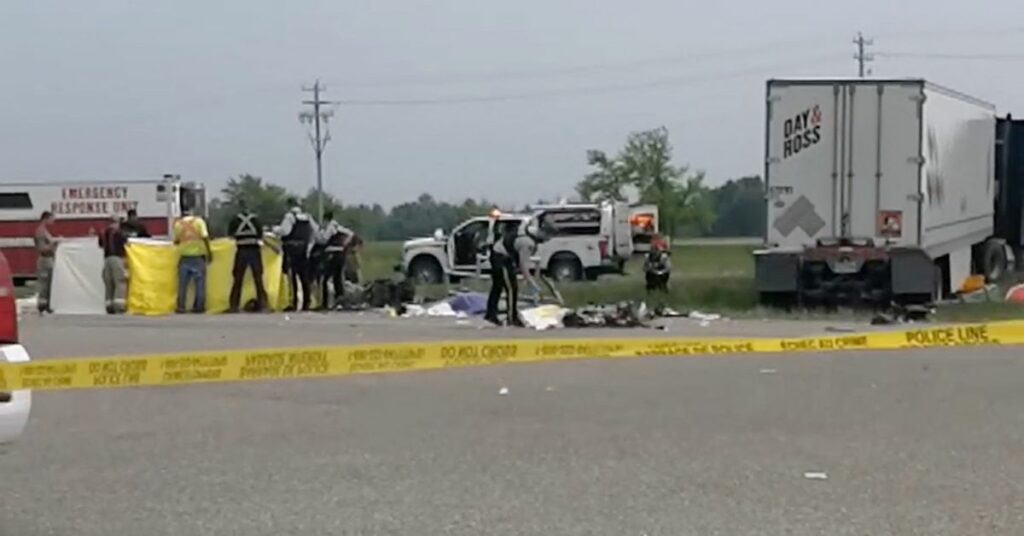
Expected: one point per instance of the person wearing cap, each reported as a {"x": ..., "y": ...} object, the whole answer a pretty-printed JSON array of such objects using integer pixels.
[
  {"x": 115, "y": 278},
  {"x": 512, "y": 255},
  {"x": 246, "y": 229},
  {"x": 297, "y": 231}
]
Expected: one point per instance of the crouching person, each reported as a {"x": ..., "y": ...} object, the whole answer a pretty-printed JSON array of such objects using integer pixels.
[{"x": 658, "y": 267}]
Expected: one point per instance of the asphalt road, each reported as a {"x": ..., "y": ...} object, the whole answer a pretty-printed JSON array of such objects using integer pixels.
[{"x": 924, "y": 442}]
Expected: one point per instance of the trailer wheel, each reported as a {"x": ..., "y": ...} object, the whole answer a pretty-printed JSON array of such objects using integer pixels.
[{"x": 993, "y": 260}]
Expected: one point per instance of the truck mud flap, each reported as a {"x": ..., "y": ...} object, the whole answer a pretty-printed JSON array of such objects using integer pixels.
[
  {"x": 776, "y": 271},
  {"x": 912, "y": 273}
]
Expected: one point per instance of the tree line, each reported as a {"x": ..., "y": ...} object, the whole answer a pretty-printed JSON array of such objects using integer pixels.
[{"x": 642, "y": 169}]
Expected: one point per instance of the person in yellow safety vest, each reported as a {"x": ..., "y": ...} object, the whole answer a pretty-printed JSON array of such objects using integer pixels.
[{"x": 193, "y": 241}]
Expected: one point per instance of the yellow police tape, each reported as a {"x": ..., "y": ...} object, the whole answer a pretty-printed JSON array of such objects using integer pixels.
[{"x": 323, "y": 361}]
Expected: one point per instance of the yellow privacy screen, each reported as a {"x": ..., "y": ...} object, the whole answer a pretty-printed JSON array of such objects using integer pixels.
[{"x": 153, "y": 277}]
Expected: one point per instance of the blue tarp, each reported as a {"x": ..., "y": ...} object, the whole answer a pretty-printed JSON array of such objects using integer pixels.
[{"x": 471, "y": 303}]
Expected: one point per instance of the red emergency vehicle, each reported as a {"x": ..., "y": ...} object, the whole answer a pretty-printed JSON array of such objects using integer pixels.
[{"x": 83, "y": 206}]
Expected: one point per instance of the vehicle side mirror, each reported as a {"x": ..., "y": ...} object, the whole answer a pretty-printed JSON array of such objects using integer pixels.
[{"x": 438, "y": 234}]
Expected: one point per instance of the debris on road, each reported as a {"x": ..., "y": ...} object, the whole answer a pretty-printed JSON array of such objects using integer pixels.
[
  {"x": 1015, "y": 294},
  {"x": 704, "y": 317},
  {"x": 544, "y": 317},
  {"x": 768, "y": 371},
  {"x": 816, "y": 476},
  {"x": 503, "y": 391}
]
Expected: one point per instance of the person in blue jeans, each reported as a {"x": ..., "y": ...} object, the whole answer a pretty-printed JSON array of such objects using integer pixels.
[{"x": 193, "y": 242}]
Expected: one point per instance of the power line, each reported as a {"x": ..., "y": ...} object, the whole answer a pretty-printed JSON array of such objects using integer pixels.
[
  {"x": 953, "y": 56},
  {"x": 861, "y": 56},
  {"x": 945, "y": 33},
  {"x": 484, "y": 77},
  {"x": 588, "y": 90},
  {"x": 570, "y": 70}
]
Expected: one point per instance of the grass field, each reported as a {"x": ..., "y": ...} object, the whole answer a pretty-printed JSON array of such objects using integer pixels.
[{"x": 703, "y": 276}]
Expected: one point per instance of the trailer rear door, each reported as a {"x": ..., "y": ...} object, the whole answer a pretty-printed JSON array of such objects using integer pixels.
[
  {"x": 801, "y": 166},
  {"x": 843, "y": 160},
  {"x": 882, "y": 167}
]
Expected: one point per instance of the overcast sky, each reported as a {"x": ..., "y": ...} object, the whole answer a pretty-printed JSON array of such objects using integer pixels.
[{"x": 113, "y": 89}]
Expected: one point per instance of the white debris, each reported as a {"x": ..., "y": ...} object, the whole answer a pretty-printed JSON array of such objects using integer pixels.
[
  {"x": 815, "y": 476},
  {"x": 704, "y": 317},
  {"x": 503, "y": 391},
  {"x": 441, "y": 309},
  {"x": 549, "y": 388},
  {"x": 414, "y": 310},
  {"x": 768, "y": 371},
  {"x": 543, "y": 317}
]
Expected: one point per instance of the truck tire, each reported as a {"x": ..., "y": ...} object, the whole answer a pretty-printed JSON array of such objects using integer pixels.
[
  {"x": 993, "y": 260},
  {"x": 565, "y": 267},
  {"x": 425, "y": 270}
]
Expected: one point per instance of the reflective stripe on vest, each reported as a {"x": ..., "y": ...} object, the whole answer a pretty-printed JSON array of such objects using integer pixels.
[
  {"x": 189, "y": 233},
  {"x": 247, "y": 234}
]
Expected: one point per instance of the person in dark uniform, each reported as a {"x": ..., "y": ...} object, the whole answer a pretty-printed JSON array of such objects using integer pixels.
[
  {"x": 247, "y": 231},
  {"x": 511, "y": 255},
  {"x": 335, "y": 239},
  {"x": 658, "y": 266},
  {"x": 297, "y": 231},
  {"x": 316, "y": 263},
  {"x": 115, "y": 280},
  {"x": 132, "y": 227}
]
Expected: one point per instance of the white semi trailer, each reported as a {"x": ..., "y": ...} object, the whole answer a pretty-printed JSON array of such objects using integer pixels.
[{"x": 877, "y": 190}]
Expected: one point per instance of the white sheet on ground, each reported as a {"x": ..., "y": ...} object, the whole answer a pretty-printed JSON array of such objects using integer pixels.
[
  {"x": 543, "y": 317},
  {"x": 77, "y": 286}
]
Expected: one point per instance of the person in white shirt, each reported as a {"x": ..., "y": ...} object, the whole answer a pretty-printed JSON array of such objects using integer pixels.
[
  {"x": 297, "y": 231},
  {"x": 336, "y": 239}
]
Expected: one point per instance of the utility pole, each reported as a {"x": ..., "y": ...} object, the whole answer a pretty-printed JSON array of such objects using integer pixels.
[
  {"x": 317, "y": 117},
  {"x": 861, "y": 56}
]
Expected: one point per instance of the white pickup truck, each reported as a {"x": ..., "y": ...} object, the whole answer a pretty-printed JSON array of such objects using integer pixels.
[
  {"x": 15, "y": 406},
  {"x": 587, "y": 240}
]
